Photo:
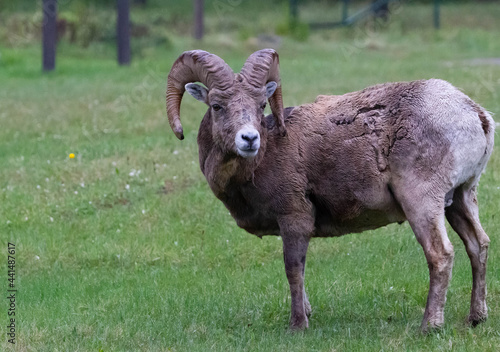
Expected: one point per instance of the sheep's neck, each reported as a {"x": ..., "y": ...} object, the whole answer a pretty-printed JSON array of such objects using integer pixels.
[{"x": 224, "y": 172}]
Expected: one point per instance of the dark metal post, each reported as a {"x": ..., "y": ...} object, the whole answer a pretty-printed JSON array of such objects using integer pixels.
[
  {"x": 294, "y": 11},
  {"x": 123, "y": 31},
  {"x": 49, "y": 33},
  {"x": 198, "y": 19},
  {"x": 345, "y": 8},
  {"x": 437, "y": 21},
  {"x": 380, "y": 9}
]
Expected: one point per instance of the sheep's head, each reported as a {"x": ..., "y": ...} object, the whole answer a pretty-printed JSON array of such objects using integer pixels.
[{"x": 236, "y": 101}]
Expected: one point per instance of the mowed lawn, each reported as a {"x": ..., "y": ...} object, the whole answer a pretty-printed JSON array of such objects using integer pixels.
[{"x": 125, "y": 248}]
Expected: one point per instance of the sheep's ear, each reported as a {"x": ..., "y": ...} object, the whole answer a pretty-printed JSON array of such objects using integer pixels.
[
  {"x": 270, "y": 88},
  {"x": 198, "y": 92}
]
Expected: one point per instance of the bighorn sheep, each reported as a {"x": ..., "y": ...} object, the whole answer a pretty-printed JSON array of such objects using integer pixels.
[{"x": 392, "y": 152}]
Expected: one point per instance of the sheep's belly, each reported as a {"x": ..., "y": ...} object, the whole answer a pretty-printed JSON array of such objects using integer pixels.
[
  {"x": 327, "y": 226},
  {"x": 335, "y": 216},
  {"x": 259, "y": 225}
]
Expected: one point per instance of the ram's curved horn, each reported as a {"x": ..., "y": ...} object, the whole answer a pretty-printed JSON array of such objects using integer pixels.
[
  {"x": 260, "y": 68},
  {"x": 194, "y": 66}
]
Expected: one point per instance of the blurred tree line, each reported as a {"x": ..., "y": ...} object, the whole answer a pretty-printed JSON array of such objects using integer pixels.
[
  {"x": 29, "y": 5},
  {"x": 83, "y": 22}
]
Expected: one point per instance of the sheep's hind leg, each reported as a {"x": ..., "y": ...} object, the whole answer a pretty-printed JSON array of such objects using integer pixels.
[
  {"x": 463, "y": 216},
  {"x": 295, "y": 237},
  {"x": 427, "y": 221},
  {"x": 431, "y": 234}
]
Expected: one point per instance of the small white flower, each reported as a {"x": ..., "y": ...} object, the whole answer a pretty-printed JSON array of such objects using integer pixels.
[
  {"x": 26, "y": 218},
  {"x": 118, "y": 231},
  {"x": 143, "y": 211},
  {"x": 347, "y": 253},
  {"x": 127, "y": 186},
  {"x": 176, "y": 152},
  {"x": 46, "y": 179},
  {"x": 390, "y": 288},
  {"x": 37, "y": 186},
  {"x": 90, "y": 202},
  {"x": 113, "y": 163},
  {"x": 37, "y": 257},
  {"x": 51, "y": 219},
  {"x": 118, "y": 256},
  {"x": 227, "y": 241},
  {"x": 48, "y": 161},
  {"x": 76, "y": 192},
  {"x": 176, "y": 243},
  {"x": 175, "y": 177},
  {"x": 82, "y": 184},
  {"x": 9, "y": 222}
]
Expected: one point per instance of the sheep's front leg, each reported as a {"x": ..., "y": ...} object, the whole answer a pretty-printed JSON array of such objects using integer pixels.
[
  {"x": 295, "y": 243},
  {"x": 294, "y": 251}
]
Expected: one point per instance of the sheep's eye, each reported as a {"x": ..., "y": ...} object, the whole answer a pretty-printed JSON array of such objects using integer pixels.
[
  {"x": 263, "y": 106},
  {"x": 216, "y": 107}
]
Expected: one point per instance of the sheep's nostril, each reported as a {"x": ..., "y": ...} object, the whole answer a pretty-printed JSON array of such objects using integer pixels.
[
  {"x": 247, "y": 142},
  {"x": 250, "y": 137}
]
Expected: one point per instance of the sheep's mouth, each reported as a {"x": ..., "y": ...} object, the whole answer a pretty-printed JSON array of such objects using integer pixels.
[{"x": 248, "y": 153}]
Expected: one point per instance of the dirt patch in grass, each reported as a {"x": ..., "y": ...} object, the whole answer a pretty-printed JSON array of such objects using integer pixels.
[{"x": 171, "y": 186}]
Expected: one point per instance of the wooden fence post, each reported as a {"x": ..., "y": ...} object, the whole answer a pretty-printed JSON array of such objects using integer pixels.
[
  {"x": 123, "y": 31},
  {"x": 198, "y": 19},
  {"x": 294, "y": 10},
  {"x": 49, "y": 34},
  {"x": 437, "y": 22}
]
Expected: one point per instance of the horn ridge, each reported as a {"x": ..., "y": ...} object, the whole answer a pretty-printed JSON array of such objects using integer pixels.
[
  {"x": 194, "y": 66},
  {"x": 260, "y": 68}
]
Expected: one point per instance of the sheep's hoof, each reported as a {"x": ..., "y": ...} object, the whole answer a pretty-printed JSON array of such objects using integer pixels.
[
  {"x": 429, "y": 327},
  {"x": 299, "y": 325},
  {"x": 475, "y": 319}
]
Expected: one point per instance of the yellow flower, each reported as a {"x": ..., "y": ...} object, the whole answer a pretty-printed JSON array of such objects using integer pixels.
[{"x": 71, "y": 156}]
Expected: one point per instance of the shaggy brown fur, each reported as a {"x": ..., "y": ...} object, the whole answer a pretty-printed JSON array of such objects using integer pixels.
[{"x": 389, "y": 153}]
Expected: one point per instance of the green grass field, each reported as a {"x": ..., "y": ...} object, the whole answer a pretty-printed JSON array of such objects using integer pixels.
[{"x": 124, "y": 247}]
